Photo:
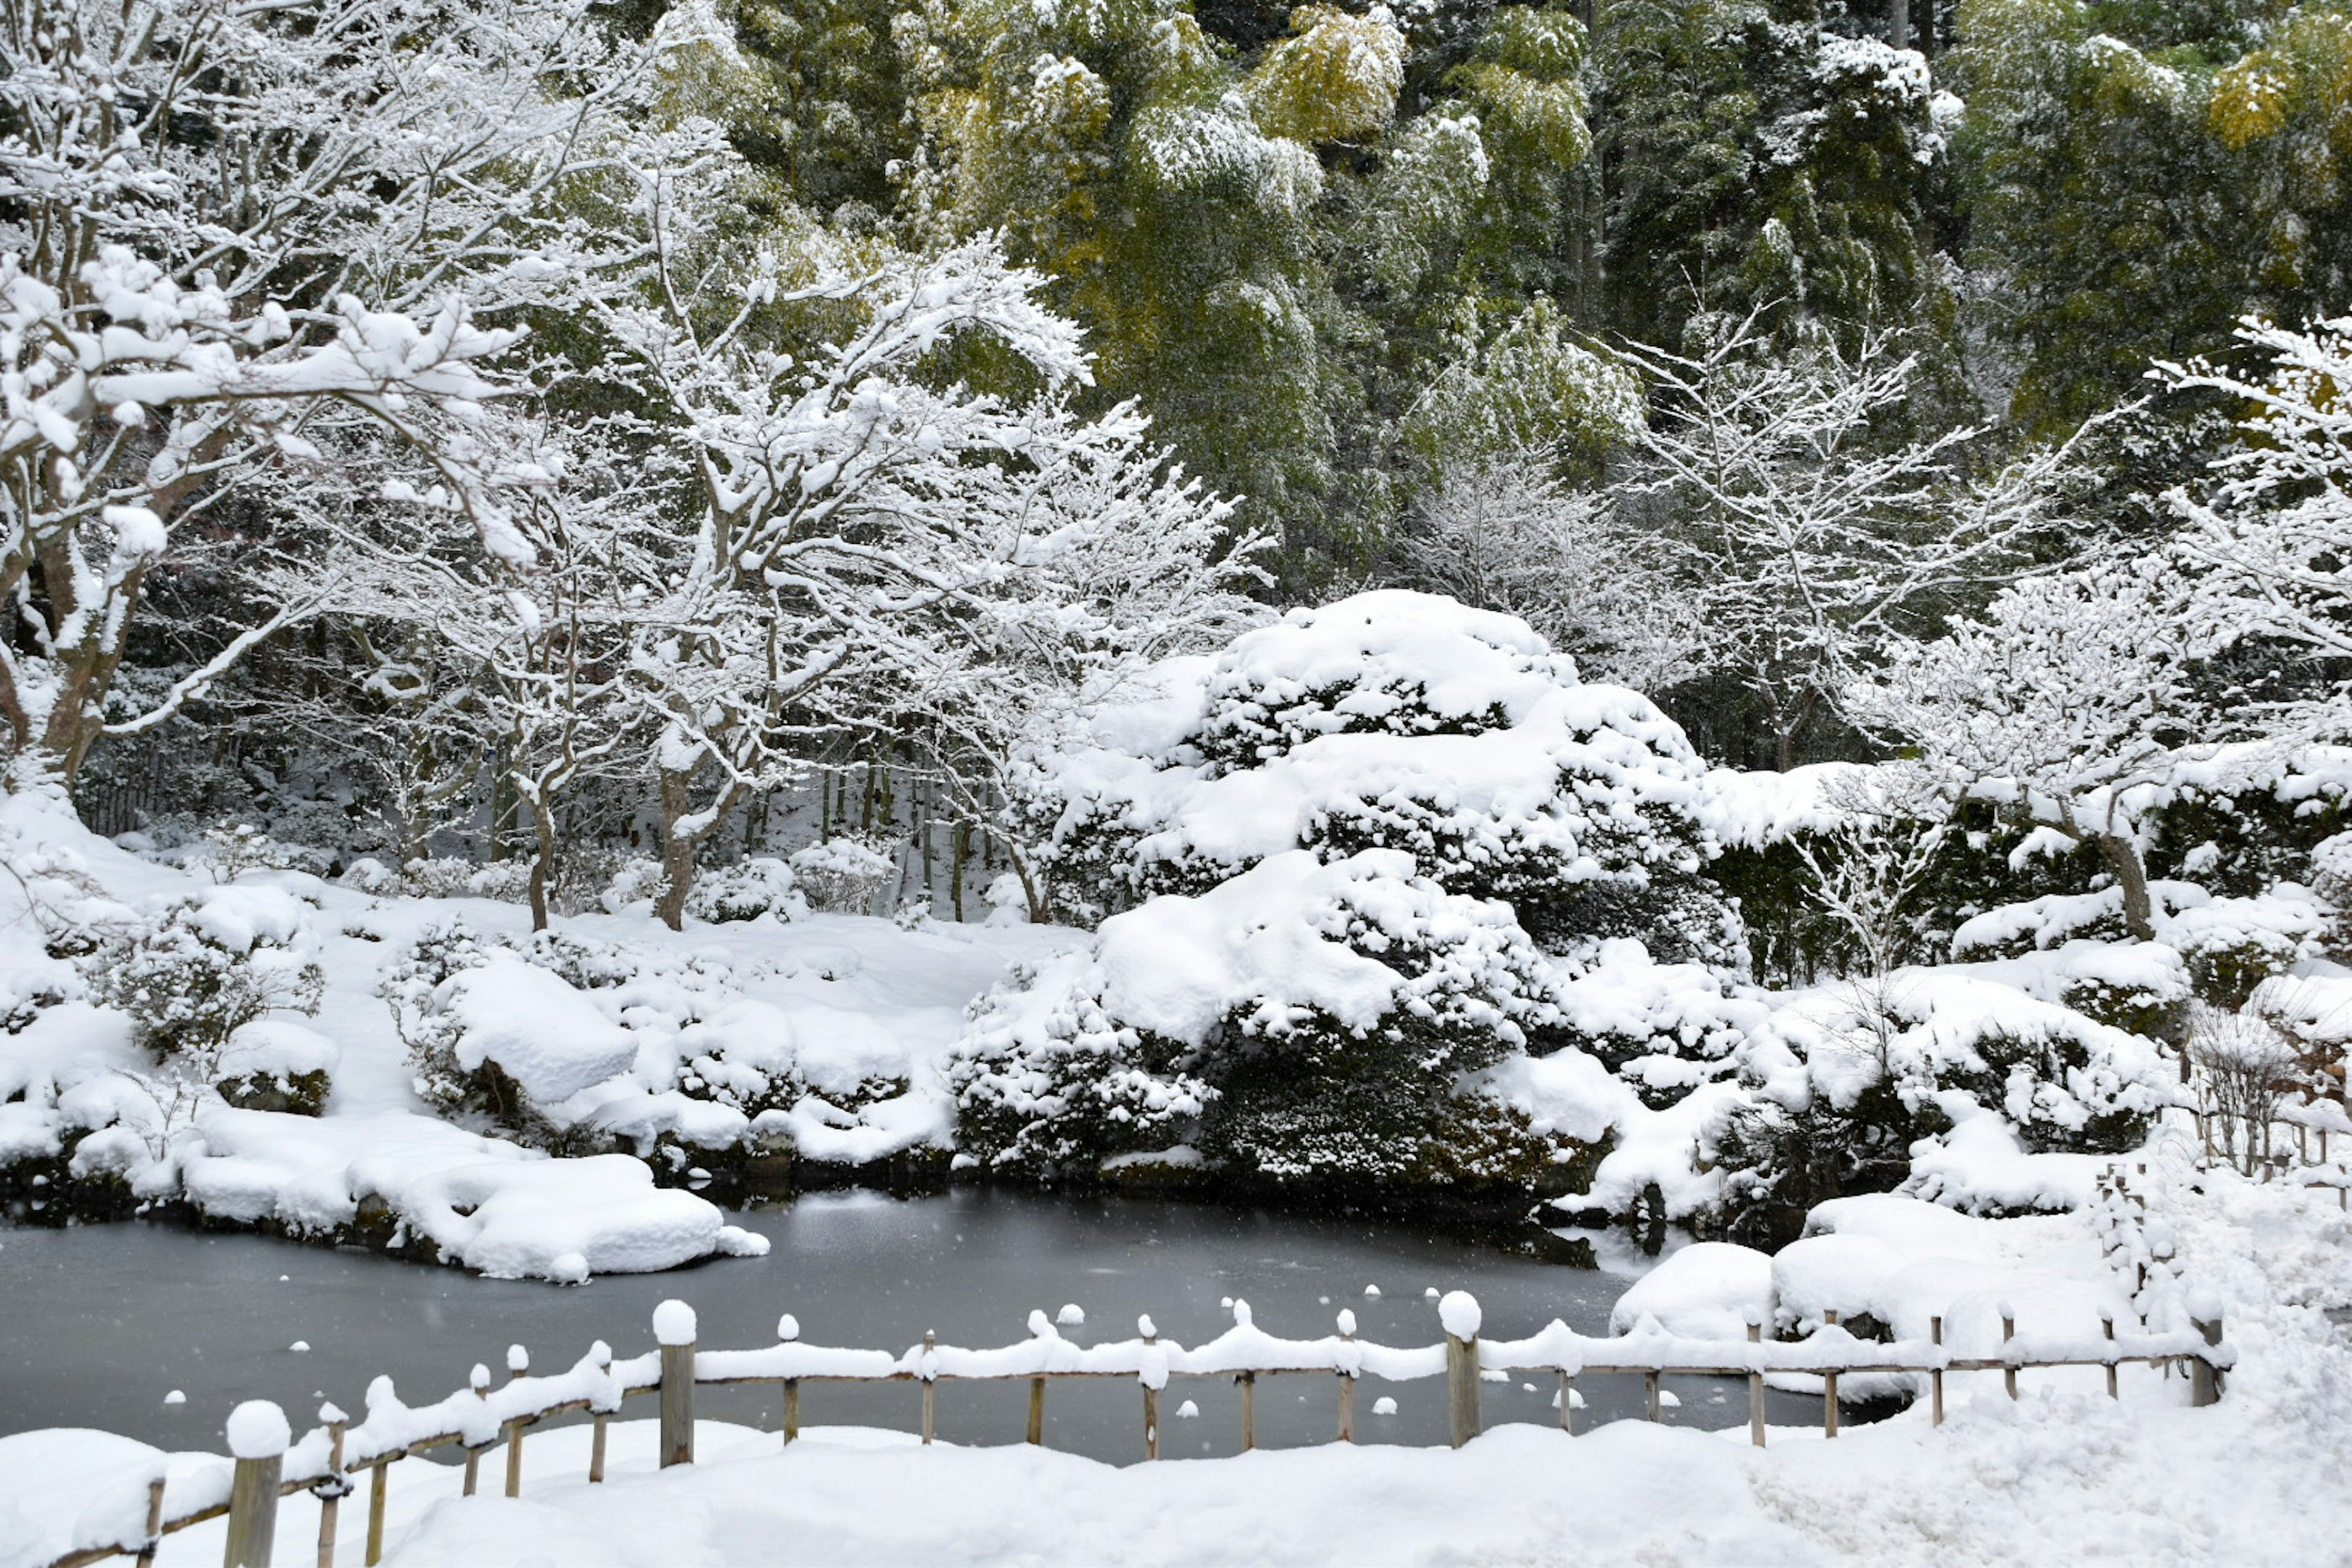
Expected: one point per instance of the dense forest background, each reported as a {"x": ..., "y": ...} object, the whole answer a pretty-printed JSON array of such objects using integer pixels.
[{"x": 1729, "y": 343}]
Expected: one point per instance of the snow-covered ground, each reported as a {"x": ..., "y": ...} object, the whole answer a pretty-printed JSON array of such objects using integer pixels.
[
  {"x": 835, "y": 1002},
  {"x": 2060, "y": 1476}
]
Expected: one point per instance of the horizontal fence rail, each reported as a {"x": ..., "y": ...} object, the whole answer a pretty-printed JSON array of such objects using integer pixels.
[{"x": 481, "y": 1418}]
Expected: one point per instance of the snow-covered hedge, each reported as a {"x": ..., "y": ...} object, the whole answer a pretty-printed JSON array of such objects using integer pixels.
[
  {"x": 1395, "y": 720},
  {"x": 1301, "y": 1021},
  {"x": 1849, "y": 1080},
  {"x": 577, "y": 1044}
]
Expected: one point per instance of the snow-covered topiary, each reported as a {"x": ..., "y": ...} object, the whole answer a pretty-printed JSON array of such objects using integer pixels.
[
  {"x": 1397, "y": 721},
  {"x": 1301, "y": 1021}
]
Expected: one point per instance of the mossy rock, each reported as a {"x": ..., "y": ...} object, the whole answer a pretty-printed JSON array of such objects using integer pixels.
[{"x": 294, "y": 1094}]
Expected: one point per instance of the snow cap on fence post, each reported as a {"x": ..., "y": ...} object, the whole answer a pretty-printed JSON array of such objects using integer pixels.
[
  {"x": 788, "y": 1329},
  {"x": 517, "y": 1360},
  {"x": 257, "y": 1430},
  {"x": 674, "y": 1323},
  {"x": 1458, "y": 1311}
]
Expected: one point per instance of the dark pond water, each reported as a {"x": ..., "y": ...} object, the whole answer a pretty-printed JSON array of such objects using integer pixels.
[{"x": 98, "y": 1323}]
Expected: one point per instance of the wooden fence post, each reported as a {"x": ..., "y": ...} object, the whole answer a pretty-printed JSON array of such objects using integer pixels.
[
  {"x": 154, "y": 1537},
  {"x": 258, "y": 1437},
  {"x": 1036, "y": 1390},
  {"x": 788, "y": 1329},
  {"x": 601, "y": 1354},
  {"x": 1458, "y": 1311},
  {"x": 2204, "y": 1379},
  {"x": 2107, "y": 1323},
  {"x": 517, "y": 1363},
  {"x": 1829, "y": 1389},
  {"x": 674, "y": 1331},
  {"x": 1754, "y": 1385},
  {"x": 379, "y": 1486},
  {"x": 1936, "y": 1376},
  {"x": 479, "y": 1381},
  {"x": 330, "y": 1492},
  {"x": 1150, "y": 1395},
  {"x": 2007, "y": 1333},
  {"x": 931, "y": 1385},
  {"x": 1347, "y": 1383},
  {"x": 1649, "y": 1397}
]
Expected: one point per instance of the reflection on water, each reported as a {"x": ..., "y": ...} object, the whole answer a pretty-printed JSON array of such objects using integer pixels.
[{"x": 98, "y": 1323}]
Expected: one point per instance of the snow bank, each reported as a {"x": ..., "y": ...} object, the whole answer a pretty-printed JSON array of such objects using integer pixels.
[
  {"x": 495, "y": 1207},
  {"x": 1709, "y": 1289}
]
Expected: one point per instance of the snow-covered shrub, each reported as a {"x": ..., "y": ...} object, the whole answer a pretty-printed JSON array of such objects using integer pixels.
[
  {"x": 192, "y": 973},
  {"x": 1662, "y": 1028},
  {"x": 1395, "y": 720},
  {"x": 638, "y": 879},
  {"x": 507, "y": 881},
  {"x": 1849, "y": 1077},
  {"x": 371, "y": 876},
  {"x": 842, "y": 875},
  {"x": 1302, "y": 1022},
  {"x": 745, "y": 892},
  {"x": 1007, "y": 900},
  {"x": 273, "y": 1064},
  {"x": 229, "y": 850},
  {"x": 2232, "y": 945},
  {"x": 506, "y": 1032},
  {"x": 2331, "y": 877}
]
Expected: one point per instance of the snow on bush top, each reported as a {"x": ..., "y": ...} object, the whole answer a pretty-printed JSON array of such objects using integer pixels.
[
  {"x": 1390, "y": 662},
  {"x": 1285, "y": 940},
  {"x": 537, "y": 1030}
]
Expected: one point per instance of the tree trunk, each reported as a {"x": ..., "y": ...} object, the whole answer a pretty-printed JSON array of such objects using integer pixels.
[
  {"x": 2122, "y": 857},
  {"x": 1898, "y": 24},
  {"x": 678, "y": 852},
  {"x": 542, "y": 864}
]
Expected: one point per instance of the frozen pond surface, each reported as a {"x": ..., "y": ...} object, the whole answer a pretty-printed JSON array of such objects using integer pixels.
[{"x": 98, "y": 1323}]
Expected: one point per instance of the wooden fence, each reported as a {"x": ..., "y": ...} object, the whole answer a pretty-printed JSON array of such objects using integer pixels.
[{"x": 328, "y": 1459}]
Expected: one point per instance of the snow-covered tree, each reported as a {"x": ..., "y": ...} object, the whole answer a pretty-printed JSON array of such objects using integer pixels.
[
  {"x": 1506, "y": 533},
  {"x": 539, "y": 649},
  {"x": 1396, "y": 720},
  {"x": 1308, "y": 1022},
  {"x": 1809, "y": 541},
  {"x": 1124, "y": 564},
  {"x": 232, "y": 238},
  {"x": 2074, "y": 689},
  {"x": 866, "y": 525},
  {"x": 2272, "y": 530}
]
